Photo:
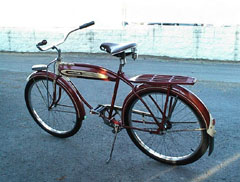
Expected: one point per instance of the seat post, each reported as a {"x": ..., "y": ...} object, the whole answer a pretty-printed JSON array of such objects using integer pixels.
[
  {"x": 122, "y": 61},
  {"x": 119, "y": 73}
]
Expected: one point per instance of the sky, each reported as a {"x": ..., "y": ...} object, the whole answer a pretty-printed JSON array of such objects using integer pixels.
[{"x": 111, "y": 13}]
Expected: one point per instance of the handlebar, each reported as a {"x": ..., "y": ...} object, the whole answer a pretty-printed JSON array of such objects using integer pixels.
[
  {"x": 44, "y": 42},
  {"x": 87, "y": 25}
]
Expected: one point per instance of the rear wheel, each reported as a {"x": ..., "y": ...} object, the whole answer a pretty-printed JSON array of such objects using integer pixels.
[
  {"x": 60, "y": 119},
  {"x": 184, "y": 139}
]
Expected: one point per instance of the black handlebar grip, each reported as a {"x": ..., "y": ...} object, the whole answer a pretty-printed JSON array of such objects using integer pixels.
[
  {"x": 87, "y": 25},
  {"x": 44, "y": 42}
]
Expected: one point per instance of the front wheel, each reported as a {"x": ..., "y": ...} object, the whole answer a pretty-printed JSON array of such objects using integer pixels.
[
  {"x": 55, "y": 113},
  {"x": 184, "y": 138}
]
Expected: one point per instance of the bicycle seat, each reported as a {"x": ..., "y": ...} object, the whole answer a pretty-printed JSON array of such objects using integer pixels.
[{"x": 115, "y": 49}]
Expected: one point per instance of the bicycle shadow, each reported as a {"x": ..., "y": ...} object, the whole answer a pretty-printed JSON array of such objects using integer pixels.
[{"x": 89, "y": 155}]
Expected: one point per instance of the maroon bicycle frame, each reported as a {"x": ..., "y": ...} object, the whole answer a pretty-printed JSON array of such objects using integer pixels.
[{"x": 169, "y": 83}]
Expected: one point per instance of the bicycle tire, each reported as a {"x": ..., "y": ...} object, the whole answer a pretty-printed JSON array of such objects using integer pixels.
[
  {"x": 185, "y": 139},
  {"x": 62, "y": 120}
]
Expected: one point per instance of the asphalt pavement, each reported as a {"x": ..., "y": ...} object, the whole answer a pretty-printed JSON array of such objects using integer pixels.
[{"x": 27, "y": 153}]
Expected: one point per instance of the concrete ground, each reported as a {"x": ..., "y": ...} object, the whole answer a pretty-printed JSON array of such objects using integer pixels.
[{"x": 27, "y": 153}]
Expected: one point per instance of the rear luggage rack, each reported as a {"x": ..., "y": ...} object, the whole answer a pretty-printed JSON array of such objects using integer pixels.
[{"x": 163, "y": 79}]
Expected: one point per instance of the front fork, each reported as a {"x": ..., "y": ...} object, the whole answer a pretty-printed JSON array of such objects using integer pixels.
[{"x": 53, "y": 98}]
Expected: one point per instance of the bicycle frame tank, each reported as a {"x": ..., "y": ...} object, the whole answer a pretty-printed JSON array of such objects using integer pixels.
[{"x": 86, "y": 71}]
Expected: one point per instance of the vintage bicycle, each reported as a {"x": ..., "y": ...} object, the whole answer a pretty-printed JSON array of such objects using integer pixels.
[{"x": 164, "y": 120}]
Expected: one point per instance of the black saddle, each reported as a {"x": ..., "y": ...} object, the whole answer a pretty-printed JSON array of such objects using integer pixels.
[{"x": 116, "y": 49}]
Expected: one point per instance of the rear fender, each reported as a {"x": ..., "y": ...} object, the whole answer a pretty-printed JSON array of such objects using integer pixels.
[
  {"x": 200, "y": 106},
  {"x": 187, "y": 94},
  {"x": 67, "y": 84}
]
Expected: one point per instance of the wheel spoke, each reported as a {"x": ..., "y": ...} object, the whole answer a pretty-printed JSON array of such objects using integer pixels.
[
  {"x": 183, "y": 135},
  {"x": 61, "y": 119}
]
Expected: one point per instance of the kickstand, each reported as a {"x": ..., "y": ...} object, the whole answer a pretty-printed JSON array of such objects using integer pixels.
[{"x": 116, "y": 129}]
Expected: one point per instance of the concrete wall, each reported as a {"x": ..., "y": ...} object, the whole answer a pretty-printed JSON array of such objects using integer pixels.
[{"x": 196, "y": 42}]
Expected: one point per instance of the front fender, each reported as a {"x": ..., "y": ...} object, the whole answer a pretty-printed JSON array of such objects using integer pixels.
[{"x": 67, "y": 85}]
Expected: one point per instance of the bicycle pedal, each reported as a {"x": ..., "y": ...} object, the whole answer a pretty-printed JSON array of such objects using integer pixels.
[{"x": 98, "y": 109}]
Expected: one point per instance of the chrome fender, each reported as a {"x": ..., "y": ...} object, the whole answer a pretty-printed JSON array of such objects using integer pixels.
[{"x": 67, "y": 84}]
